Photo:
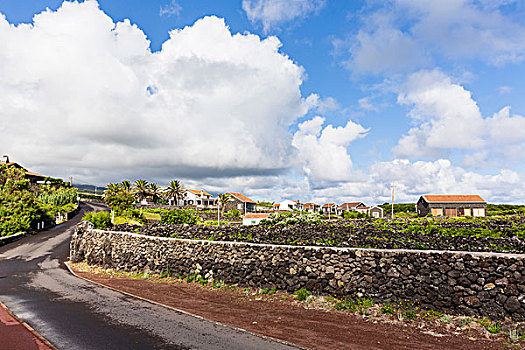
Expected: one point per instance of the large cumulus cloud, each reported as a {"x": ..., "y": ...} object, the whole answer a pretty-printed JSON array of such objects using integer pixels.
[{"x": 83, "y": 94}]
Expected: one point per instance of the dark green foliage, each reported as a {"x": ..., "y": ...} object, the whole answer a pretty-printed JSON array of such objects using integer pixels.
[
  {"x": 354, "y": 215},
  {"x": 285, "y": 218},
  {"x": 399, "y": 208},
  {"x": 505, "y": 209},
  {"x": 234, "y": 213},
  {"x": 118, "y": 198},
  {"x": 179, "y": 217},
  {"x": 20, "y": 210},
  {"x": 101, "y": 219}
]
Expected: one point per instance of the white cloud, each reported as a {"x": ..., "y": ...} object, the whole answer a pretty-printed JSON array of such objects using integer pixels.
[
  {"x": 405, "y": 35},
  {"x": 272, "y": 13},
  {"x": 447, "y": 119},
  {"x": 413, "y": 179},
  {"x": 324, "y": 152},
  {"x": 445, "y": 114},
  {"x": 83, "y": 96},
  {"x": 171, "y": 9}
]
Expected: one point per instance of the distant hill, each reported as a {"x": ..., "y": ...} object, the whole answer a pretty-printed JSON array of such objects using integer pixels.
[{"x": 90, "y": 188}]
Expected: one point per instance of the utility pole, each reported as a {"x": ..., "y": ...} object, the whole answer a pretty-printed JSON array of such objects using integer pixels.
[{"x": 392, "y": 200}]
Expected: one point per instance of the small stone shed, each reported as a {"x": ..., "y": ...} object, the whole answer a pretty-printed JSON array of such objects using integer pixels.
[{"x": 451, "y": 205}]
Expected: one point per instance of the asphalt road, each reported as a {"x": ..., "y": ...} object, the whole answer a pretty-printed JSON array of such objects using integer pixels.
[{"x": 74, "y": 314}]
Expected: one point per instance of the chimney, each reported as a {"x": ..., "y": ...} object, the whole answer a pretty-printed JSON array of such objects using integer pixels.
[{"x": 5, "y": 159}]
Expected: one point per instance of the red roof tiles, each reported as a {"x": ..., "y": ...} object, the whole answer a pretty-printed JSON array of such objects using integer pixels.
[
  {"x": 453, "y": 198},
  {"x": 241, "y": 197}
]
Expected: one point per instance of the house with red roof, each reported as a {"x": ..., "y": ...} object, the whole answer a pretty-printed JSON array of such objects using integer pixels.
[
  {"x": 289, "y": 205},
  {"x": 31, "y": 176},
  {"x": 311, "y": 207},
  {"x": 329, "y": 208},
  {"x": 254, "y": 218},
  {"x": 240, "y": 202},
  {"x": 198, "y": 198},
  {"x": 351, "y": 206},
  {"x": 451, "y": 205}
]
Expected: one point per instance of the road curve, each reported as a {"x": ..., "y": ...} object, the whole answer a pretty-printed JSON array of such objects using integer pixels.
[{"x": 75, "y": 314}]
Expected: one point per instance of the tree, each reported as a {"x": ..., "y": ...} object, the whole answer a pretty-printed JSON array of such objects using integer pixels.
[
  {"x": 175, "y": 191},
  {"x": 140, "y": 189},
  {"x": 223, "y": 199},
  {"x": 154, "y": 192},
  {"x": 19, "y": 209},
  {"x": 126, "y": 186},
  {"x": 118, "y": 199}
]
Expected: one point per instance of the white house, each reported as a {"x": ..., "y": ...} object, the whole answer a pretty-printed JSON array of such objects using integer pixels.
[
  {"x": 351, "y": 206},
  {"x": 290, "y": 205},
  {"x": 253, "y": 219},
  {"x": 311, "y": 207},
  {"x": 329, "y": 208},
  {"x": 198, "y": 198}
]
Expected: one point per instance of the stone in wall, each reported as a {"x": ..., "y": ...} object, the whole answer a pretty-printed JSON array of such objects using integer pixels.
[{"x": 482, "y": 284}]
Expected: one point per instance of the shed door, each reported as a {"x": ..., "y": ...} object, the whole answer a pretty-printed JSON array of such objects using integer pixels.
[
  {"x": 437, "y": 212},
  {"x": 451, "y": 212}
]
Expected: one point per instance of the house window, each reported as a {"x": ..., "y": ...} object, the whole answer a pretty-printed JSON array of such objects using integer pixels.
[{"x": 239, "y": 206}]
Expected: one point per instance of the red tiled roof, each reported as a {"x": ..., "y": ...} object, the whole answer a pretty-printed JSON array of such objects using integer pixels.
[
  {"x": 350, "y": 205},
  {"x": 241, "y": 197},
  {"x": 308, "y": 205},
  {"x": 328, "y": 205},
  {"x": 363, "y": 208},
  {"x": 199, "y": 192},
  {"x": 277, "y": 205},
  {"x": 453, "y": 198},
  {"x": 256, "y": 216}
]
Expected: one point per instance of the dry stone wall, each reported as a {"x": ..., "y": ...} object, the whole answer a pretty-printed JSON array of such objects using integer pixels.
[{"x": 484, "y": 284}]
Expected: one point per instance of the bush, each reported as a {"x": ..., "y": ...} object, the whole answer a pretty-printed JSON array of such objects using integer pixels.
[
  {"x": 354, "y": 215},
  {"x": 101, "y": 219},
  {"x": 179, "y": 217},
  {"x": 234, "y": 213},
  {"x": 291, "y": 219},
  {"x": 302, "y": 294},
  {"x": 20, "y": 211}
]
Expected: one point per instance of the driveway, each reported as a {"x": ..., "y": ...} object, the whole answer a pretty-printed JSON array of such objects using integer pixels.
[{"x": 75, "y": 314}]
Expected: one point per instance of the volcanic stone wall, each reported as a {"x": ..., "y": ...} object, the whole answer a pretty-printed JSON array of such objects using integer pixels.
[{"x": 484, "y": 284}]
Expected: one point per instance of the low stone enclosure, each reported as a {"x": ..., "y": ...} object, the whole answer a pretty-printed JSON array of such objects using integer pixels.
[{"x": 483, "y": 284}]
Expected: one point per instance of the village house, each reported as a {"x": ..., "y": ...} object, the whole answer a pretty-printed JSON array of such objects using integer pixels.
[
  {"x": 288, "y": 205},
  {"x": 451, "y": 205},
  {"x": 352, "y": 206},
  {"x": 240, "y": 202},
  {"x": 254, "y": 218},
  {"x": 311, "y": 207},
  {"x": 375, "y": 211},
  {"x": 329, "y": 208},
  {"x": 31, "y": 176},
  {"x": 198, "y": 198}
]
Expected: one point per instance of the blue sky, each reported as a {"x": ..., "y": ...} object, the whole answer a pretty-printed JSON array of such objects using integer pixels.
[{"x": 331, "y": 101}]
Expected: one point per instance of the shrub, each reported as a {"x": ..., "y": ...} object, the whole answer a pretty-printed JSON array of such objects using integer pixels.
[
  {"x": 234, "y": 213},
  {"x": 101, "y": 219},
  {"x": 179, "y": 217},
  {"x": 302, "y": 294}
]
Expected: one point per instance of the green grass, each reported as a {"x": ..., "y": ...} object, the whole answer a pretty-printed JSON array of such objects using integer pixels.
[{"x": 123, "y": 220}]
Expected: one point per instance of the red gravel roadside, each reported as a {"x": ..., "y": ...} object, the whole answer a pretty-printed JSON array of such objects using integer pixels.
[
  {"x": 287, "y": 320},
  {"x": 16, "y": 336}
]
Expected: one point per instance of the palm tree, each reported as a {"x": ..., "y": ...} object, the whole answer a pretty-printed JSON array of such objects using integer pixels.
[
  {"x": 175, "y": 191},
  {"x": 126, "y": 186},
  {"x": 111, "y": 189},
  {"x": 223, "y": 199},
  {"x": 141, "y": 189},
  {"x": 154, "y": 192}
]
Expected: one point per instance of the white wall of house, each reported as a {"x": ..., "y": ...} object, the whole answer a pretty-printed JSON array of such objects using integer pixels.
[{"x": 290, "y": 205}]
